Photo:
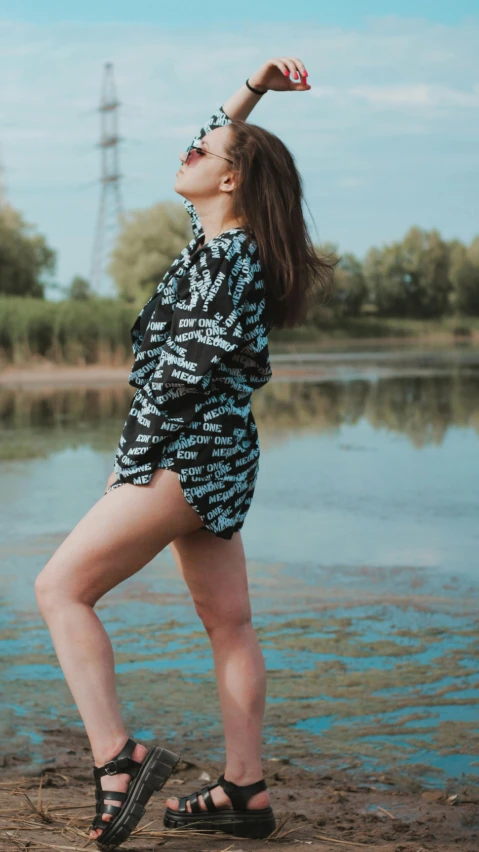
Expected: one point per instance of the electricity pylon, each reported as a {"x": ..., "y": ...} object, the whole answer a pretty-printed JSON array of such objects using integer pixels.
[{"x": 110, "y": 212}]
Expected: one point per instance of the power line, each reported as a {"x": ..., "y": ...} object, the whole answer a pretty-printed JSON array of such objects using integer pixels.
[{"x": 110, "y": 211}]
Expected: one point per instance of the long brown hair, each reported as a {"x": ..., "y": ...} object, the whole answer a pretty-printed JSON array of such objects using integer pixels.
[{"x": 268, "y": 200}]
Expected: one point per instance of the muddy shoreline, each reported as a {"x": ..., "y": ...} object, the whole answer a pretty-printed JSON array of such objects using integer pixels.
[
  {"x": 322, "y": 797},
  {"x": 43, "y": 373},
  {"x": 49, "y": 804}
]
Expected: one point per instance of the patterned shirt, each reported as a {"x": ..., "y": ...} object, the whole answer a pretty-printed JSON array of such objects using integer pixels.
[{"x": 201, "y": 349}]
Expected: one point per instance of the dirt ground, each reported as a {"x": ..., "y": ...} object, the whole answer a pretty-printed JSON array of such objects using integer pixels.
[
  {"x": 45, "y": 806},
  {"x": 42, "y": 371},
  {"x": 50, "y": 804}
]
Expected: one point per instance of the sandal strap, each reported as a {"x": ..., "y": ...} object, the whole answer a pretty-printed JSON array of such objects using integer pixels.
[
  {"x": 193, "y": 799},
  {"x": 98, "y": 822},
  {"x": 111, "y": 809},
  {"x": 240, "y": 794},
  {"x": 113, "y": 795},
  {"x": 207, "y": 797},
  {"x": 122, "y": 762},
  {"x": 195, "y": 805},
  {"x": 182, "y": 804}
]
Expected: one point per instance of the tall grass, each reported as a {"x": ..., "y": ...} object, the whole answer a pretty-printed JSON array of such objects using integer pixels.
[
  {"x": 68, "y": 332},
  {"x": 97, "y": 331}
]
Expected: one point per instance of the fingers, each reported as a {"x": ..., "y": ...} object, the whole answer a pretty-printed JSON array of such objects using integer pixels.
[
  {"x": 281, "y": 65},
  {"x": 292, "y": 68},
  {"x": 301, "y": 69},
  {"x": 295, "y": 67}
]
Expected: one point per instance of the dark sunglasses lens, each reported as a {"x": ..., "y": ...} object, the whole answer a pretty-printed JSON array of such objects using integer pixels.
[{"x": 194, "y": 148}]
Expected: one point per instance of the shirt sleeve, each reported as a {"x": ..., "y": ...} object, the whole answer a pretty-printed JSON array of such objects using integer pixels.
[
  {"x": 218, "y": 119},
  {"x": 208, "y": 325}
]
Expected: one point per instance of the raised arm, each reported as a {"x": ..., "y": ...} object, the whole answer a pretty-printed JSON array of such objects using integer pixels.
[{"x": 273, "y": 75}]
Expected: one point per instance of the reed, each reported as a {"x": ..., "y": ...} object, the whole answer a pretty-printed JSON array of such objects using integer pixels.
[{"x": 95, "y": 331}]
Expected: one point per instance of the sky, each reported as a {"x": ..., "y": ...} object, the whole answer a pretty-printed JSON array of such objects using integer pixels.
[{"x": 387, "y": 137}]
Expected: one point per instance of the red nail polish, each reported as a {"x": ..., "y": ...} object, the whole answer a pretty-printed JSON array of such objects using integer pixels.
[{"x": 287, "y": 73}]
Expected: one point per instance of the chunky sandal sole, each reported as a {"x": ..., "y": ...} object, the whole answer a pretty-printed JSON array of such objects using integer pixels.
[
  {"x": 255, "y": 823},
  {"x": 156, "y": 768}
]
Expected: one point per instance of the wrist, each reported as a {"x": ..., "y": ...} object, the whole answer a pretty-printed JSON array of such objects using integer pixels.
[{"x": 257, "y": 85}]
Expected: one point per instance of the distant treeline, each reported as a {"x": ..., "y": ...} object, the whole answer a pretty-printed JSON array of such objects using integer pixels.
[{"x": 422, "y": 277}]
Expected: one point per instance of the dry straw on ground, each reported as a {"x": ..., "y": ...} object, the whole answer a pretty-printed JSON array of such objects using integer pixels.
[{"x": 54, "y": 811}]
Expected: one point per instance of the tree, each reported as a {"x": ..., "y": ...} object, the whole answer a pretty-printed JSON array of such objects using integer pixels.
[
  {"x": 79, "y": 289},
  {"x": 146, "y": 247},
  {"x": 427, "y": 282},
  {"x": 24, "y": 256},
  {"x": 410, "y": 278},
  {"x": 473, "y": 252},
  {"x": 350, "y": 290}
]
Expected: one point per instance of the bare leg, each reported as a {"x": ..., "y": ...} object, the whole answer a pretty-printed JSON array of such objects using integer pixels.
[
  {"x": 120, "y": 534},
  {"x": 215, "y": 572}
]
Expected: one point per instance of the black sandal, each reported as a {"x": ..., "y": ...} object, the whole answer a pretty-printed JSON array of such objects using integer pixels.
[
  {"x": 147, "y": 776},
  {"x": 238, "y": 820}
]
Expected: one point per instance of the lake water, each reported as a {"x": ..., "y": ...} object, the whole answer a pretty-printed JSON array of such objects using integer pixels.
[{"x": 362, "y": 544}]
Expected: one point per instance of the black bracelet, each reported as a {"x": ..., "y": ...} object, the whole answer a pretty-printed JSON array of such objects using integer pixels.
[{"x": 256, "y": 91}]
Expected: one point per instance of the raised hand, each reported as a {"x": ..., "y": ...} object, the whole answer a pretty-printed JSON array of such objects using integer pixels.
[{"x": 275, "y": 74}]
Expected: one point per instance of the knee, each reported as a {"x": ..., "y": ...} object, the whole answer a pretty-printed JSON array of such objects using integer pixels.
[
  {"x": 43, "y": 590},
  {"x": 220, "y": 618},
  {"x": 48, "y": 591}
]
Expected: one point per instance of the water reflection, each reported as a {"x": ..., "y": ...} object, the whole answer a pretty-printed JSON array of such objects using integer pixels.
[
  {"x": 421, "y": 407},
  {"x": 36, "y": 423},
  {"x": 362, "y": 555}
]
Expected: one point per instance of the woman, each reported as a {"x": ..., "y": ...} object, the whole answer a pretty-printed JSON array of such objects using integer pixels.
[{"x": 190, "y": 442}]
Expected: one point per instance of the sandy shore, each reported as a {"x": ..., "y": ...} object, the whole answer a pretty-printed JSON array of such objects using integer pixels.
[
  {"x": 52, "y": 376},
  {"x": 50, "y": 805},
  {"x": 47, "y": 374},
  {"x": 62, "y": 376}
]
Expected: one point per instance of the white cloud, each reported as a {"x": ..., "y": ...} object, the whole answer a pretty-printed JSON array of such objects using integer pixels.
[
  {"x": 323, "y": 91},
  {"x": 420, "y": 94},
  {"x": 378, "y": 95}
]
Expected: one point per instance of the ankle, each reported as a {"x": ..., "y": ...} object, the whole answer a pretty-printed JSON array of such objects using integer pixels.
[
  {"x": 242, "y": 776},
  {"x": 108, "y": 749}
]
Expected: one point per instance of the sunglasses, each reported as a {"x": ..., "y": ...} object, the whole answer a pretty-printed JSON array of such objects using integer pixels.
[{"x": 195, "y": 152}]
